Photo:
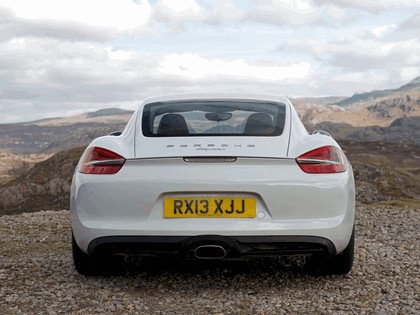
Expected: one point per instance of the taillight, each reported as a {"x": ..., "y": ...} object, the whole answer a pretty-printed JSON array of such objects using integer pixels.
[
  {"x": 323, "y": 160},
  {"x": 101, "y": 161}
]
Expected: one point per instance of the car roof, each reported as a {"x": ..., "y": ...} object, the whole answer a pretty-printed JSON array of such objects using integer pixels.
[{"x": 219, "y": 96}]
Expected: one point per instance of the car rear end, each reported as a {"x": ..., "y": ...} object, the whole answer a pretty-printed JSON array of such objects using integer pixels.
[{"x": 213, "y": 178}]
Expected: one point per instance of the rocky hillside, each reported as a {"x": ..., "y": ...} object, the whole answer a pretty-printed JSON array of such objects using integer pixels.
[
  {"x": 44, "y": 186},
  {"x": 383, "y": 172},
  {"x": 31, "y": 138},
  {"x": 388, "y": 115},
  {"x": 379, "y": 108},
  {"x": 381, "y": 112},
  {"x": 11, "y": 165},
  {"x": 412, "y": 86},
  {"x": 404, "y": 130},
  {"x": 56, "y": 134}
]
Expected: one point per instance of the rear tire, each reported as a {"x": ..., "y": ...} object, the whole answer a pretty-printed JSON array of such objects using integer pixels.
[
  {"x": 94, "y": 265},
  {"x": 336, "y": 265}
]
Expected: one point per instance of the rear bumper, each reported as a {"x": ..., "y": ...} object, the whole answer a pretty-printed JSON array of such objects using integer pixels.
[
  {"x": 289, "y": 203},
  {"x": 234, "y": 246}
]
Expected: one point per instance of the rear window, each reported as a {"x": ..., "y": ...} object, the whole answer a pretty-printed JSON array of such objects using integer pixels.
[{"x": 213, "y": 118}]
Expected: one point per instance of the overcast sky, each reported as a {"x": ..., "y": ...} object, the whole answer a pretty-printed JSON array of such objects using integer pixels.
[{"x": 64, "y": 57}]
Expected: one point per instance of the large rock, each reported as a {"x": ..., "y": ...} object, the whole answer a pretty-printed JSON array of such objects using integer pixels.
[{"x": 45, "y": 186}]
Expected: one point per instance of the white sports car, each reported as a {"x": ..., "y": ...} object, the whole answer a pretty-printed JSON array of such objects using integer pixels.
[{"x": 213, "y": 177}]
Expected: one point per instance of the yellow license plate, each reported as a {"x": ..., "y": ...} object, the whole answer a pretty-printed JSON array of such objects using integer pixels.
[{"x": 209, "y": 207}]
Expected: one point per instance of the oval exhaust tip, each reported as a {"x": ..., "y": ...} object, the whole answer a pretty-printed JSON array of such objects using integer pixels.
[{"x": 210, "y": 252}]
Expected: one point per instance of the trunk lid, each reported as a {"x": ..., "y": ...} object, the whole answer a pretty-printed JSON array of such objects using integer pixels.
[{"x": 270, "y": 147}]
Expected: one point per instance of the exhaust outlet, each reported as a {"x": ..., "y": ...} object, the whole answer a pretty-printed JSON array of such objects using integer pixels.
[{"x": 210, "y": 252}]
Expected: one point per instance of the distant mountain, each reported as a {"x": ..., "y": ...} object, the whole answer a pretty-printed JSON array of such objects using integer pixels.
[
  {"x": 412, "y": 86},
  {"x": 109, "y": 112},
  {"x": 107, "y": 115},
  {"x": 113, "y": 114},
  {"x": 364, "y": 97},
  {"x": 379, "y": 108},
  {"x": 322, "y": 100},
  {"x": 56, "y": 134},
  {"x": 26, "y": 139}
]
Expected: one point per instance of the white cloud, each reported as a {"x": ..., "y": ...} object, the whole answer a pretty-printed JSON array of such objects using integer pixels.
[
  {"x": 334, "y": 12},
  {"x": 65, "y": 56},
  {"x": 192, "y": 66},
  {"x": 290, "y": 12},
  {"x": 224, "y": 11},
  {"x": 359, "y": 81},
  {"x": 362, "y": 64},
  {"x": 413, "y": 23},
  {"x": 52, "y": 76},
  {"x": 176, "y": 13},
  {"x": 12, "y": 26},
  {"x": 120, "y": 15},
  {"x": 119, "y": 55},
  {"x": 408, "y": 73},
  {"x": 67, "y": 71},
  {"x": 372, "y": 5},
  {"x": 381, "y": 31},
  {"x": 182, "y": 8},
  {"x": 364, "y": 54}
]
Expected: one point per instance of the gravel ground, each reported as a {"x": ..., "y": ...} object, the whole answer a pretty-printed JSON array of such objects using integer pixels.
[{"x": 37, "y": 275}]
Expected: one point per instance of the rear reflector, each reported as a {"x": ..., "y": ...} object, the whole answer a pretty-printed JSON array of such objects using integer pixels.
[
  {"x": 323, "y": 160},
  {"x": 101, "y": 161}
]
